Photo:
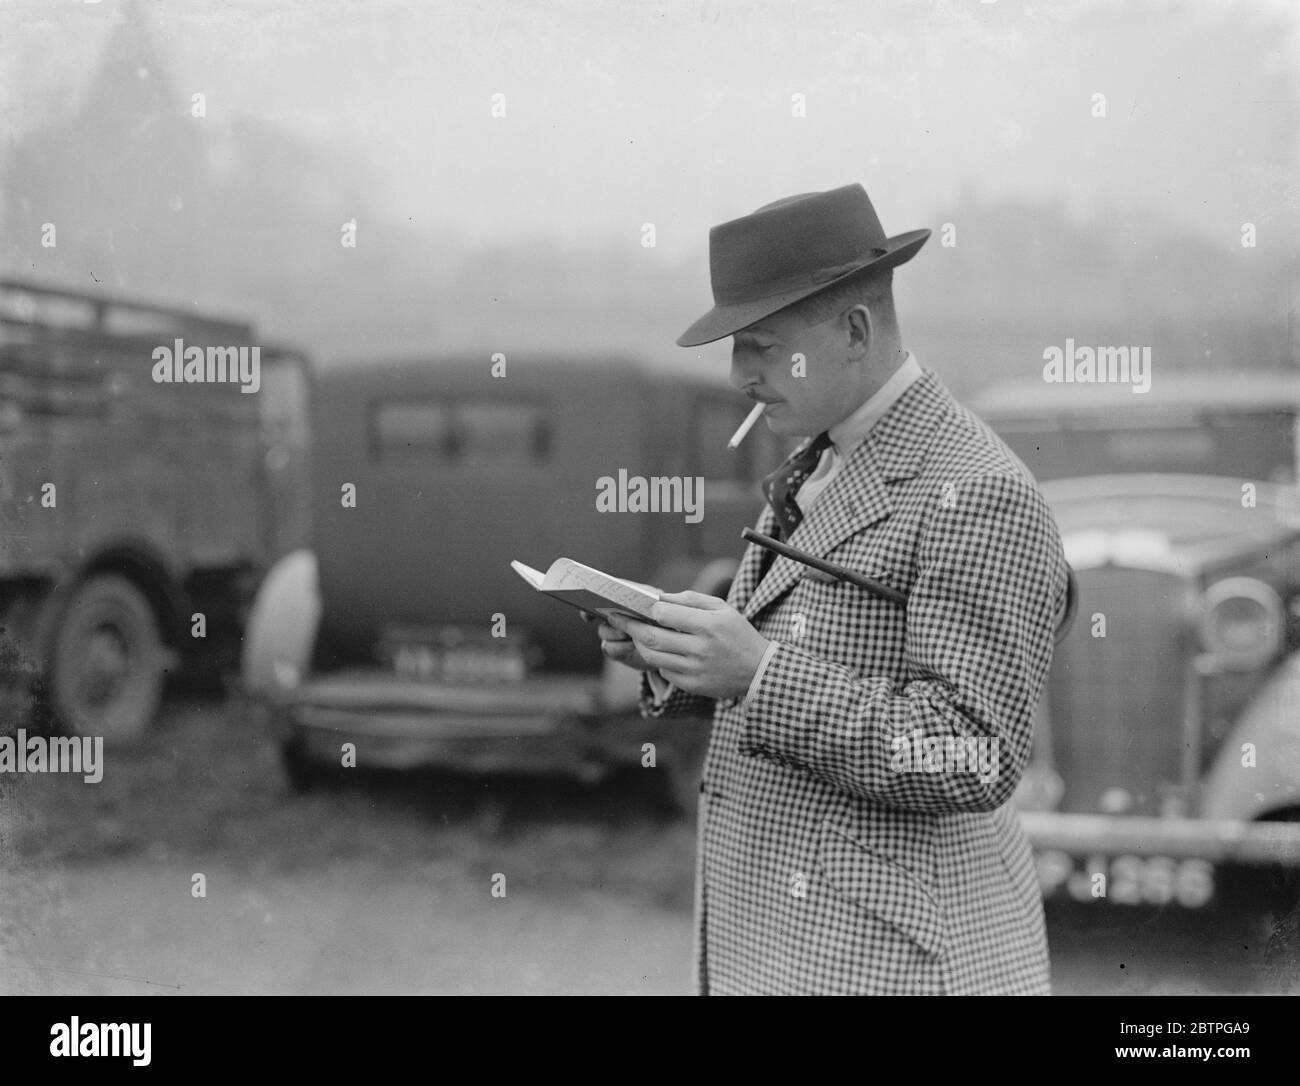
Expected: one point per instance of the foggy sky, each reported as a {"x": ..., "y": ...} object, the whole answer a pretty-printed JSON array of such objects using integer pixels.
[{"x": 680, "y": 113}]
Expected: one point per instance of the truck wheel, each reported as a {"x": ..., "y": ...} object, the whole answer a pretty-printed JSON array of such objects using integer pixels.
[{"x": 106, "y": 662}]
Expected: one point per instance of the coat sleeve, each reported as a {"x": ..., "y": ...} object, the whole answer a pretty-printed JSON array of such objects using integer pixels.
[
  {"x": 678, "y": 703},
  {"x": 978, "y": 642}
]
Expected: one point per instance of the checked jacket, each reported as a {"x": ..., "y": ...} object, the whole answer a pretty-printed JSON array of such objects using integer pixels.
[{"x": 827, "y": 863}]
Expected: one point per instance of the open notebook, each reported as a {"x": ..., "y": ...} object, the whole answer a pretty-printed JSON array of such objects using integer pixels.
[{"x": 591, "y": 590}]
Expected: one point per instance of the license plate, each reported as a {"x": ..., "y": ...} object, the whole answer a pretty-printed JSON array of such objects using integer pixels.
[
  {"x": 449, "y": 656},
  {"x": 461, "y": 665},
  {"x": 1126, "y": 880}
]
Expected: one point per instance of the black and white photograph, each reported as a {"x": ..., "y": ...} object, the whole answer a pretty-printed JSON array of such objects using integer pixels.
[{"x": 673, "y": 497}]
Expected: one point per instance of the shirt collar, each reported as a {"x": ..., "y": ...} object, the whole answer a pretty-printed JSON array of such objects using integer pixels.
[{"x": 849, "y": 433}]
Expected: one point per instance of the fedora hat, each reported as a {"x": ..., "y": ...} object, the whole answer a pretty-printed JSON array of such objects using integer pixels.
[{"x": 790, "y": 250}]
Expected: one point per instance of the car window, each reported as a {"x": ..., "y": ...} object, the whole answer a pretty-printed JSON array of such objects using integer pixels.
[
  {"x": 285, "y": 401},
  {"x": 421, "y": 427},
  {"x": 463, "y": 432},
  {"x": 1255, "y": 445},
  {"x": 501, "y": 432}
]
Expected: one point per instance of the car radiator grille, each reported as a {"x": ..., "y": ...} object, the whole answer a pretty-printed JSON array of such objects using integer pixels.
[{"x": 1116, "y": 702}]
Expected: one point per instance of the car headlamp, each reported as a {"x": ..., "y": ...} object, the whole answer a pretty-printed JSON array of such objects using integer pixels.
[{"x": 1243, "y": 623}]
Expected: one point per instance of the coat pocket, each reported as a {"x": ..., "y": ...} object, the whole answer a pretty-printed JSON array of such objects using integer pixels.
[
  {"x": 1018, "y": 862},
  {"x": 880, "y": 886}
]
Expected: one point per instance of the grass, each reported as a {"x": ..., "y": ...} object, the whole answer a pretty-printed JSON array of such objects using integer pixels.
[{"x": 207, "y": 782}]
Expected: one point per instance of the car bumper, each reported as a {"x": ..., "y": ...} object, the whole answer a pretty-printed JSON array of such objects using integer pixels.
[
  {"x": 550, "y": 724},
  {"x": 1235, "y": 842}
]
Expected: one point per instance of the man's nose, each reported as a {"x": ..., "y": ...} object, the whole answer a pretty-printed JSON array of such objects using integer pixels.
[{"x": 744, "y": 371}]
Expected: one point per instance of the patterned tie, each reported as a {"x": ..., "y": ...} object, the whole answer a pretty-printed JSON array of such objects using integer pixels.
[{"x": 784, "y": 483}]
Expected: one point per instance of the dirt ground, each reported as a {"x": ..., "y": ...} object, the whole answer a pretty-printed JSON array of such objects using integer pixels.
[{"x": 385, "y": 886}]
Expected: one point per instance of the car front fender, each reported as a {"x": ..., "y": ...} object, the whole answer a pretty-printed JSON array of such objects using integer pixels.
[
  {"x": 282, "y": 625},
  {"x": 1257, "y": 771}
]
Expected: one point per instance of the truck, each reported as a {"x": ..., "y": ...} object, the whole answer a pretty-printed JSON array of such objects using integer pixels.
[{"x": 152, "y": 467}]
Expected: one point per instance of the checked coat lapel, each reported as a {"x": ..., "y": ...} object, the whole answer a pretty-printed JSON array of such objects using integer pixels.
[{"x": 857, "y": 498}]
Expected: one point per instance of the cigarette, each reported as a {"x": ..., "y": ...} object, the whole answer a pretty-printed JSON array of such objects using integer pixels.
[{"x": 746, "y": 426}]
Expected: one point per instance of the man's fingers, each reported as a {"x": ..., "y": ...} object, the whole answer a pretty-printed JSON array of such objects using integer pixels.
[
  {"x": 652, "y": 637},
  {"x": 623, "y": 653},
  {"x": 608, "y": 633},
  {"x": 668, "y": 663}
]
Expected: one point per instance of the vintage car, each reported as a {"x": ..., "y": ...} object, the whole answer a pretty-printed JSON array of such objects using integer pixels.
[
  {"x": 1167, "y": 749},
  {"x": 404, "y": 638}
]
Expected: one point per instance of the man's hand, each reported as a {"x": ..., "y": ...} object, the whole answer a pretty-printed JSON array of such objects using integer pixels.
[
  {"x": 616, "y": 644},
  {"x": 711, "y": 648}
]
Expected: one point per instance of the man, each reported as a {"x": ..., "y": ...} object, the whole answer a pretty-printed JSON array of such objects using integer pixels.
[{"x": 855, "y": 833}]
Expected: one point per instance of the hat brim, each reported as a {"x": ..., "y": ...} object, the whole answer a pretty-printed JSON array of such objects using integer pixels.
[{"x": 725, "y": 320}]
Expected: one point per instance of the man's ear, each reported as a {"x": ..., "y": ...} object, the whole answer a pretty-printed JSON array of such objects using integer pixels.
[{"x": 861, "y": 330}]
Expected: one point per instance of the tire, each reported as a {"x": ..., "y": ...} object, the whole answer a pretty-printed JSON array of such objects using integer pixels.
[{"x": 106, "y": 664}]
